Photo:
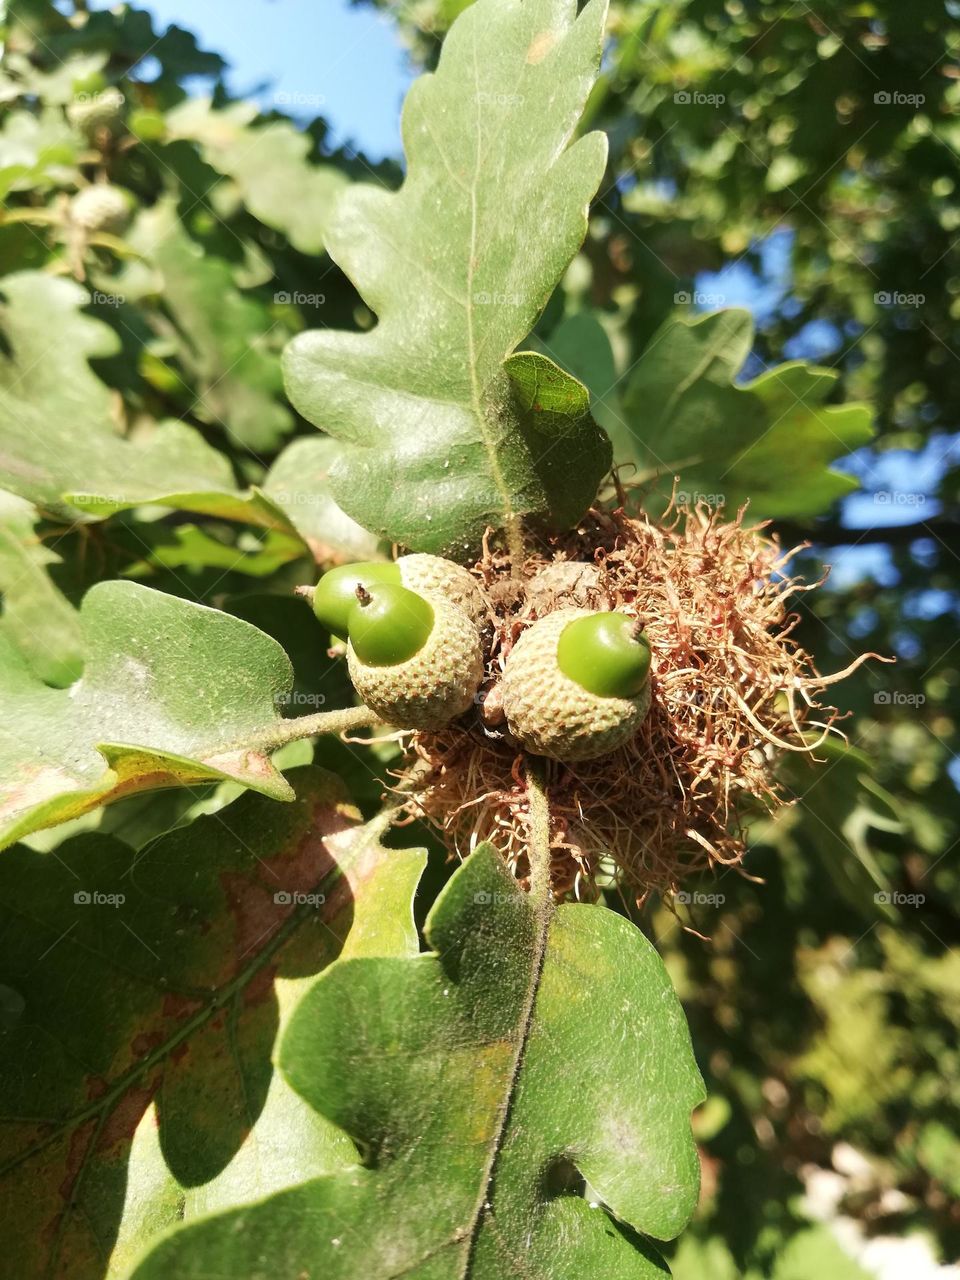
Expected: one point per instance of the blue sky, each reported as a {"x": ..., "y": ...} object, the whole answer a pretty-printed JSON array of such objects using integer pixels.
[{"x": 350, "y": 56}]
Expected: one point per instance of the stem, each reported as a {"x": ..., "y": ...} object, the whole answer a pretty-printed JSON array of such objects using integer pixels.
[
  {"x": 310, "y": 726},
  {"x": 538, "y": 854},
  {"x": 516, "y": 545},
  {"x": 538, "y": 846}
]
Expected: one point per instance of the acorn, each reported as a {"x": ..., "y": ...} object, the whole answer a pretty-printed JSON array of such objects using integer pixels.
[
  {"x": 417, "y": 663},
  {"x": 576, "y": 684},
  {"x": 91, "y": 112},
  {"x": 440, "y": 579},
  {"x": 102, "y": 207},
  {"x": 432, "y": 577}
]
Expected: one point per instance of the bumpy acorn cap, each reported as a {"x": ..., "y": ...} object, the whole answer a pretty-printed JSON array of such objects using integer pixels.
[
  {"x": 552, "y": 715},
  {"x": 101, "y": 208},
  {"x": 436, "y": 578},
  {"x": 433, "y": 687}
]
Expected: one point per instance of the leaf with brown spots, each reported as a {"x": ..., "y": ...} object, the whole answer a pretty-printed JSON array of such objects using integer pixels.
[
  {"x": 141, "y": 1001},
  {"x": 532, "y": 1056}
]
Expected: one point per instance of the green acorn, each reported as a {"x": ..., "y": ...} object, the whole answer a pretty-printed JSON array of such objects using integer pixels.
[
  {"x": 417, "y": 663},
  {"x": 91, "y": 112},
  {"x": 576, "y": 684},
  {"x": 102, "y": 207},
  {"x": 432, "y": 577},
  {"x": 336, "y": 592}
]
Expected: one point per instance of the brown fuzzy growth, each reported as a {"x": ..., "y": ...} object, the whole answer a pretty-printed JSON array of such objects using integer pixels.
[{"x": 731, "y": 690}]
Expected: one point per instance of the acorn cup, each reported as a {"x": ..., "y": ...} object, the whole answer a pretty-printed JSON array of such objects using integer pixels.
[
  {"x": 576, "y": 684},
  {"x": 417, "y": 663}
]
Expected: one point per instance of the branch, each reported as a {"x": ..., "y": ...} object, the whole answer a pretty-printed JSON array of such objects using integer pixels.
[{"x": 310, "y": 726}]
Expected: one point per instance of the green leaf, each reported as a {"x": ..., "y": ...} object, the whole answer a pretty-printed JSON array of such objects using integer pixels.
[
  {"x": 136, "y": 1074},
  {"x": 813, "y": 1251},
  {"x": 35, "y": 151},
  {"x": 192, "y": 548},
  {"x": 836, "y": 808},
  {"x": 769, "y": 441},
  {"x": 479, "y": 1082},
  {"x": 277, "y": 182},
  {"x": 817, "y": 1252},
  {"x": 580, "y": 345},
  {"x": 298, "y": 483},
  {"x": 37, "y": 619},
  {"x": 172, "y": 693},
  {"x": 441, "y": 439},
  {"x": 225, "y": 344},
  {"x": 59, "y": 447}
]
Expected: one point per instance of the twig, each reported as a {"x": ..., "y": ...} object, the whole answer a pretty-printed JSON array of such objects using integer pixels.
[{"x": 310, "y": 726}]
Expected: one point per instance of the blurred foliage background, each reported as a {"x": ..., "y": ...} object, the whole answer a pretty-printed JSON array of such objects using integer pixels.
[{"x": 797, "y": 159}]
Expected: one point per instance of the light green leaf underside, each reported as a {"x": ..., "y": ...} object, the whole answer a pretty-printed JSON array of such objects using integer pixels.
[
  {"x": 150, "y": 1023},
  {"x": 298, "y": 484},
  {"x": 224, "y": 338},
  {"x": 769, "y": 442},
  {"x": 35, "y": 151},
  {"x": 36, "y": 618},
  {"x": 580, "y": 345},
  {"x": 440, "y": 439},
  {"x": 59, "y": 446},
  {"x": 269, "y": 164},
  {"x": 171, "y": 693},
  {"x": 474, "y": 1114}
]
